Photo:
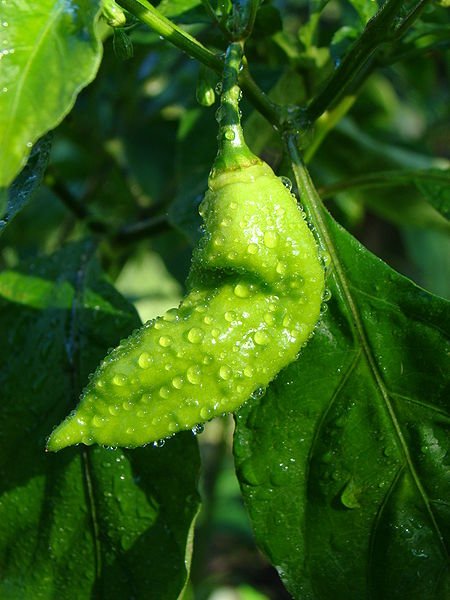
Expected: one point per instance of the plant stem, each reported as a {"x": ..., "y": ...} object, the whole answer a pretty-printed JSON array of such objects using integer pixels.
[
  {"x": 311, "y": 202},
  {"x": 382, "y": 28},
  {"x": 148, "y": 14},
  {"x": 233, "y": 151}
]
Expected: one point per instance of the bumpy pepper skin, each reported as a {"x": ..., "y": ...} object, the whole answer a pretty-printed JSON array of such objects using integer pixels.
[
  {"x": 256, "y": 288},
  {"x": 255, "y": 291}
]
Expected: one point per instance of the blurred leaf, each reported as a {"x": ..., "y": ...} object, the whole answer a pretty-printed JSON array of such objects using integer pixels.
[
  {"x": 429, "y": 251},
  {"x": 106, "y": 523},
  {"x": 184, "y": 11},
  {"x": 27, "y": 182},
  {"x": 197, "y": 148},
  {"x": 53, "y": 52},
  {"x": 268, "y": 21},
  {"x": 145, "y": 281},
  {"x": 435, "y": 186},
  {"x": 366, "y": 10},
  {"x": 398, "y": 202},
  {"x": 342, "y": 463}
]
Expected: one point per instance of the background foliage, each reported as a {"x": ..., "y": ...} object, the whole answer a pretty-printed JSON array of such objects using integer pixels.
[{"x": 342, "y": 464}]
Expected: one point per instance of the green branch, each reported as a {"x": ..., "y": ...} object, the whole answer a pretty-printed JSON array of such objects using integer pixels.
[
  {"x": 386, "y": 26},
  {"x": 148, "y": 14}
]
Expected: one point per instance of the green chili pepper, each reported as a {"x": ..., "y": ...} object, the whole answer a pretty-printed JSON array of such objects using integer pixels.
[{"x": 255, "y": 291}]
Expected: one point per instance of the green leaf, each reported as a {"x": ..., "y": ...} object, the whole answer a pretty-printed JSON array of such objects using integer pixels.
[
  {"x": 366, "y": 10},
  {"x": 403, "y": 206},
  {"x": 192, "y": 169},
  {"x": 435, "y": 186},
  {"x": 103, "y": 522},
  {"x": 343, "y": 462},
  {"x": 51, "y": 52},
  {"x": 27, "y": 182},
  {"x": 184, "y": 11}
]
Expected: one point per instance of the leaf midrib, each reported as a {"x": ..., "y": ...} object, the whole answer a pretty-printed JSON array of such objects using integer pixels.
[
  {"x": 28, "y": 65},
  {"x": 356, "y": 324},
  {"x": 358, "y": 329},
  {"x": 73, "y": 354}
]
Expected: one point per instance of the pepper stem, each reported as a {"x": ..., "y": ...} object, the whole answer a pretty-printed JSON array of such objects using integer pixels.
[{"x": 233, "y": 152}]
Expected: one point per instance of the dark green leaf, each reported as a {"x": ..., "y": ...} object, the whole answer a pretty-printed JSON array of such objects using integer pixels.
[
  {"x": 184, "y": 11},
  {"x": 435, "y": 186},
  {"x": 402, "y": 205},
  {"x": 196, "y": 151},
  {"x": 366, "y": 10},
  {"x": 52, "y": 52},
  {"x": 27, "y": 182},
  {"x": 89, "y": 522},
  {"x": 343, "y": 462}
]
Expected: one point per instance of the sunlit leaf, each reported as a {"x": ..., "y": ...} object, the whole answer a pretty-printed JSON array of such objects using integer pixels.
[
  {"x": 49, "y": 52},
  {"x": 343, "y": 462},
  {"x": 89, "y": 522}
]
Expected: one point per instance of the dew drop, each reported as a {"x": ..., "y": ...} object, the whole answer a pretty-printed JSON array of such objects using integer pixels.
[
  {"x": 252, "y": 248},
  {"x": 171, "y": 315},
  {"x": 194, "y": 374},
  {"x": 195, "y": 335},
  {"x": 144, "y": 360},
  {"x": 198, "y": 429},
  {"x": 257, "y": 393},
  {"x": 159, "y": 443},
  {"x": 230, "y": 316},
  {"x": 164, "y": 392},
  {"x": 229, "y": 135},
  {"x": 205, "y": 412},
  {"x": 225, "y": 372},
  {"x": 286, "y": 182},
  {"x": 119, "y": 380},
  {"x": 241, "y": 290},
  {"x": 261, "y": 338},
  {"x": 97, "y": 421},
  {"x": 174, "y": 426},
  {"x": 177, "y": 382},
  {"x": 201, "y": 308},
  {"x": 326, "y": 295},
  {"x": 208, "y": 320},
  {"x": 248, "y": 371},
  {"x": 280, "y": 268},
  {"x": 269, "y": 318},
  {"x": 165, "y": 341}
]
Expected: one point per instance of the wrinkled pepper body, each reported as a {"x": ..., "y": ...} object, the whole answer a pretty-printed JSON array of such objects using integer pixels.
[{"x": 255, "y": 291}]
